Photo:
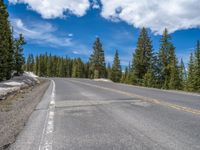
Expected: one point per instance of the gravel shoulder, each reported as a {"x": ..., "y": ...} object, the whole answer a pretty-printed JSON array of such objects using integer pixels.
[{"x": 16, "y": 109}]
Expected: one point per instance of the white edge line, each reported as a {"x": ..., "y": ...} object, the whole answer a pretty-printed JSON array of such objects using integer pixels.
[{"x": 47, "y": 134}]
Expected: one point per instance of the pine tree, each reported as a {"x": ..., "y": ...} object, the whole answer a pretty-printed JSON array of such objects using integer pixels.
[
  {"x": 86, "y": 70},
  {"x": 6, "y": 44},
  {"x": 174, "y": 78},
  {"x": 155, "y": 71},
  {"x": 30, "y": 63},
  {"x": 197, "y": 67},
  {"x": 36, "y": 66},
  {"x": 97, "y": 60},
  {"x": 10, "y": 55},
  {"x": 165, "y": 45},
  {"x": 18, "y": 54},
  {"x": 49, "y": 66},
  {"x": 183, "y": 75},
  {"x": 148, "y": 79},
  {"x": 41, "y": 66},
  {"x": 191, "y": 74},
  {"x": 45, "y": 64},
  {"x": 125, "y": 76},
  {"x": 129, "y": 76},
  {"x": 74, "y": 69},
  {"x": 109, "y": 70},
  {"x": 61, "y": 68},
  {"x": 142, "y": 57},
  {"x": 122, "y": 80},
  {"x": 116, "y": 72}
]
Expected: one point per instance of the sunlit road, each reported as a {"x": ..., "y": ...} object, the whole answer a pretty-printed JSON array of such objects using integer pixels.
[{"x": 81, "y": 114}]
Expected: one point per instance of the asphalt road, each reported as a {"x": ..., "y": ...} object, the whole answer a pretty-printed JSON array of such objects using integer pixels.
[{"x": 81, "y": 114}]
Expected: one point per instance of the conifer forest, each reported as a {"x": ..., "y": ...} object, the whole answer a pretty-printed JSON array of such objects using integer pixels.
[{"x": 150, "y": 68}]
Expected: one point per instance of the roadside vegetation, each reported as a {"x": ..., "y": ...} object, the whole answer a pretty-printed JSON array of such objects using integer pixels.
[
  {"x": 161, "y": 69},
  {"x": 11, "y": 51}
]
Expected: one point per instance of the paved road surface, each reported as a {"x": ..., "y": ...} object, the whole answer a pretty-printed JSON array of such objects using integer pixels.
[{"x": 81, "y": 114}]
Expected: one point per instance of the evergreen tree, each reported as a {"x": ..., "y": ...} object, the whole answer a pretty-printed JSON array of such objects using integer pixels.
[
  {"x": 129, "y": 76},
  {"x": 66, "y": 67},
  {"x": 122, "y": 80},
  {"x": 183, "y": 75},
  {"x": 6, "y": 44},
  {"x": 155, "y": 71},
  {"x": 142, "y": 57},
  {"x": 61, "y": 68},
  {"x": 10, "y": 55},
  {"x": 45, "y": 64},
  {"x": 116, "y": 72},
  {"x": 49, "y": 66},
  {"x": 197, "y": 67},
  {"x": 18, "y": 54},
  {"x": 30, "y": 63},
  {"x": 74, "y": 69},
  {"x": 78, "y": 69},
  {"x": 86, "y": 70},
  {"x": 148, "y": 79},
  {"x": 41, "y": 65},
  {"x": 125, "y": 76},
  {"x": 191, "y": 74},
  {"x": 97, "y": 60},
  {"x": 174, "y": 78},
  {"x": 165, "y": 47},
  {"x": 36, "y": 67},
  {"x": 109, "y": 70}
]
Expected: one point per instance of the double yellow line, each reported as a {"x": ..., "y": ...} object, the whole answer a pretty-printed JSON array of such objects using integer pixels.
[{"x": 146, "y": 99}]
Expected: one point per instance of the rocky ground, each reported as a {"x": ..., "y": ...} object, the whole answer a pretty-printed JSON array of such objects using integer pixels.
[{"x": 17, "y": 105}]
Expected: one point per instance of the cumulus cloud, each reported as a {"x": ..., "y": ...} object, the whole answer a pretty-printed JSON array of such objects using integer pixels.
[
  {"x": 40, "y": 32},
  {"x": 53, "y": 9},
  {"x": 154, "y": 14}
]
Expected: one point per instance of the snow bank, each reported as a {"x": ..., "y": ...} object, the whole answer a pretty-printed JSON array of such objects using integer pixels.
[
  {"x": 103, "y": 79},
  {"x": 17, "y": 83},
  {"x": 30, "y": 74}
]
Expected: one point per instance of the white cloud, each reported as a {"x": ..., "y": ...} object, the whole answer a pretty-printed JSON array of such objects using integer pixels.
[
  {"x": 75, "y": 52},
  {"x": 81, "y": 50},
  {"x": 70, "y": 34},
  {"x": 154, "y": 14},
  {"x": 53, "y": 9},
  {"x": 40, "y": 32}
]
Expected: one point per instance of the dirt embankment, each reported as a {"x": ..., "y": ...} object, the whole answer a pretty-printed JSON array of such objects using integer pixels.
[{"x": 16, "y": 109}]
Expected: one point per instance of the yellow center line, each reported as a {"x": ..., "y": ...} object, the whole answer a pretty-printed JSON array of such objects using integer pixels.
[{"x": 146, "y": 99}]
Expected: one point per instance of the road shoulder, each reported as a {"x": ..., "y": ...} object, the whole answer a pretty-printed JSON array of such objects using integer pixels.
[{"x": 18, "y": 109}]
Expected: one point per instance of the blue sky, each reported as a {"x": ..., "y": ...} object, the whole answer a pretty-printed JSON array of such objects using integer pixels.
[{"x": 69, "y": 27}]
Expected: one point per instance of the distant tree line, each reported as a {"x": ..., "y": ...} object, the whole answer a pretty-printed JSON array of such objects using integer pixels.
[
  {"x": 159, "y": 70},
  {"x": 148, "y": 68},
  {"x": 11, "y": 51}
]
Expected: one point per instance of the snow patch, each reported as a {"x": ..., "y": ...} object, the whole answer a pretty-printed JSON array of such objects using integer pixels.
[
  {"x": 30, "y": 74},
  {"x": 17, "y": 83},
  {"x": 102, "y": 79},
  {"x": 13, "y": 83}
]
